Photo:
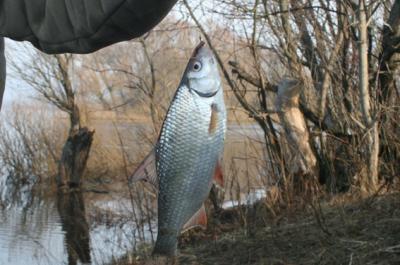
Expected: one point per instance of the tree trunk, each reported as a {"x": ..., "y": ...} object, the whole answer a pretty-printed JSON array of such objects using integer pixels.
[
  {"x": 368, "y": 183},
  {"x": 301, "y": 159}
]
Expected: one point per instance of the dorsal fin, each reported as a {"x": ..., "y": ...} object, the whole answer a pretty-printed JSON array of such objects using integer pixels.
[
  {"x": 146, "y": 171},
  {"x": 212, "y": 127},
  {"x": 218, "y": 176},
  {"x": 199, "y": 219}
]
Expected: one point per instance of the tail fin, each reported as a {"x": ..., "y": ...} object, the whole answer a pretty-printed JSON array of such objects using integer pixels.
[{"x": 166, "y": 245}]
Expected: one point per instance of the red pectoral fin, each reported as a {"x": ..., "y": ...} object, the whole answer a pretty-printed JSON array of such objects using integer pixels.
[
  {"x": 218, "y": 177},
  {"x": 146, "y": 170},
  {"x": 199, "y": 219}
]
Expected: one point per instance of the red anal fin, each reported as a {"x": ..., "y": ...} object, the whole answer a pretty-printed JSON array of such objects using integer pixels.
[
  {"x": 199, "y": 219},
  {"x": 146, "y": 171},
  {"x": 212, "y": 127},
  {"x": 218, "y": 177}
]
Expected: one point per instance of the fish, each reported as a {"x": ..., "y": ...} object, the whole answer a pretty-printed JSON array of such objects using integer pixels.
[{"x": 186, "y": 159}]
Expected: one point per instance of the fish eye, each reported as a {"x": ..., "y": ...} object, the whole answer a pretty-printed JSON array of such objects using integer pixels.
[{"x": 197, "y": 66}]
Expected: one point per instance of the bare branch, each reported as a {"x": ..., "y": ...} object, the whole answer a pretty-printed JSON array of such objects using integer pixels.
[{"x": 242, "y": 74}]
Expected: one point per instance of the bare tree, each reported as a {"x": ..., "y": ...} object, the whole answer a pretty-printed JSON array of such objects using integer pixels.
[
  {"x": 28, "y": 153},
  {"x": 50, "y": 77},
  {"x": 323, "y": 45}
]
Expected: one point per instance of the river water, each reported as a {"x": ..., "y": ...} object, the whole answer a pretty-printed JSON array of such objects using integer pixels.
[
  {"x": 39, "y": 235},
  {"x": 32, "y": 236},
  {"x": 57, "y": 231}
]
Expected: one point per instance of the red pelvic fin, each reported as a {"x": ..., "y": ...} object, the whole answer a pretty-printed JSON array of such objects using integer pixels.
[
  {"x": 146, "y": 170},
  {"x": 199, "y": 219},
  {"x": 218, "y": 177}
]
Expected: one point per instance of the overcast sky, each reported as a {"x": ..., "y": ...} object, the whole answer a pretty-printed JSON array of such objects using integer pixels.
[{"x": 16, "y": 89}]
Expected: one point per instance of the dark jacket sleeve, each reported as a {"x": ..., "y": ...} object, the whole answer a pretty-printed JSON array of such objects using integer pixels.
[{"x": 79, "y": 26}]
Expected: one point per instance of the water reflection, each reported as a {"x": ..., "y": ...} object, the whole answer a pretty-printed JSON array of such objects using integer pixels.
[
  {"x": 56, "y": 231},
  {"x": 71, "y": 209},
  {"x": 31, "y": 236}
]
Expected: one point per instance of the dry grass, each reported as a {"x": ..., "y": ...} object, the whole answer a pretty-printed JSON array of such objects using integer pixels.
[
  {"x": 356, "y": 232},
  {"x": 365, "y": 232}
]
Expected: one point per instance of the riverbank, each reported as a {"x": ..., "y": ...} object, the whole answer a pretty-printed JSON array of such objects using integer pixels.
[{"x": 341, "y": 231}]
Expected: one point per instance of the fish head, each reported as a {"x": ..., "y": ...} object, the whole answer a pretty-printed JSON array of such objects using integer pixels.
[{"x": 201, "y": 74}]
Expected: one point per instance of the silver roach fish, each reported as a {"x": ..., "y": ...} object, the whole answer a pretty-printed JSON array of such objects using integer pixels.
[{"x": 186, "y": 157}]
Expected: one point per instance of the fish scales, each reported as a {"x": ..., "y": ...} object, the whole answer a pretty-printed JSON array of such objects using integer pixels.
[{"x": 186, "y": 158}]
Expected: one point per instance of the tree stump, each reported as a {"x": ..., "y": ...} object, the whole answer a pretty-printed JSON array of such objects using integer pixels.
[{"x": 74, "y": 158}]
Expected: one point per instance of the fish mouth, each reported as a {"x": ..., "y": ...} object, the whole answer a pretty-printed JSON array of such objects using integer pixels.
[{"x": 206, "y": 95}]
